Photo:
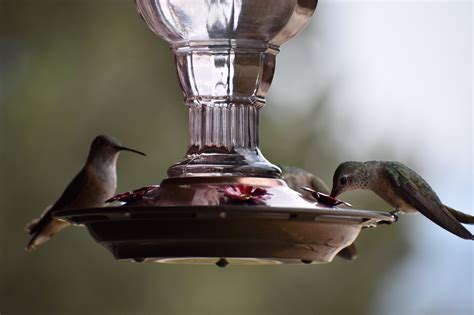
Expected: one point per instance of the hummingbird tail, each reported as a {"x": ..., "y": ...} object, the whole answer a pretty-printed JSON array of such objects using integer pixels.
[
  {"x": 461, "y": 216},
  {"x": 36, "y": 241},
  {"x": 31, "y": 225},
  {"x": 43, "y": 232}
]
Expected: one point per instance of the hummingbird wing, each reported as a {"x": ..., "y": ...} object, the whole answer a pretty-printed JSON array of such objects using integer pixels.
[
  {"x": 415, "y": 191},
  {"x": 70, "y": 194}
]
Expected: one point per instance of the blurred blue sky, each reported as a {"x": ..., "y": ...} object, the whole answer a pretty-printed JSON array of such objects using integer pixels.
[{"x": 403, "y": 71}]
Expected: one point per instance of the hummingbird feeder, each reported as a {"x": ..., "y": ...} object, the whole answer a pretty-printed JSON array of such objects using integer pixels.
[{"x": 224, "y": 202}]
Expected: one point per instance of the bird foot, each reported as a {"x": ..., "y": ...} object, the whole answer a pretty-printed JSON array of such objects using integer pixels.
[{"x": 395, "y": 214}]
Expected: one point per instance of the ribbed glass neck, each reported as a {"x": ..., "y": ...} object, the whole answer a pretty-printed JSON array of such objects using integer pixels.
[{"x": 223, "y": 128}]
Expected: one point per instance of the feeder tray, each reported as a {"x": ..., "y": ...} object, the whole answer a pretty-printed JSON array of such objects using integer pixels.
[
  {"x": 206, "y": 224},
  {"x": 240, "y": 235},
  {"x": 224, "y": 202}
]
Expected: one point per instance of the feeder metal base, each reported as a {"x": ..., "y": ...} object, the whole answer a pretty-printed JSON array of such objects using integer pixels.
[{"x": 241, "y": 234}]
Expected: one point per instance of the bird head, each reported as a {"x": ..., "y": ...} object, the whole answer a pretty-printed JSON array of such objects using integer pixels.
[
  {"x": 105, "y": 148},
  {"x": 349, "y": 176}
]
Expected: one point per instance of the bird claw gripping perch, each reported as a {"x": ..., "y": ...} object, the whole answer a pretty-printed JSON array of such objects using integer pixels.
[{"x": 395, "y": 214}]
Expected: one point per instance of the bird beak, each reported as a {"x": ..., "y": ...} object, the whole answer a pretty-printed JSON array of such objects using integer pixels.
[
  {"x": 334, "y": 192},
  {"x": 120, "y": 148}
]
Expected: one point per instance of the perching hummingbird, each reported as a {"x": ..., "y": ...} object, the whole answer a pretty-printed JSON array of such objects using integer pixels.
[
  {"x": 403, "y": 189},
  {"x": 91, "y": 187},
  {"x": 296, "y": 179}
]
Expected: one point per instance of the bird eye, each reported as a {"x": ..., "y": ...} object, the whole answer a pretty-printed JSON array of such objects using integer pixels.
[{"x": 343, "y": 180}]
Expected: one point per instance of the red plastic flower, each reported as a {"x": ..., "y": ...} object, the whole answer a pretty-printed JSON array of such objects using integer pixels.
[
  {"x": 245, "y": 193},
  {"x": 132, "y": 195},
  {"x": 325, "y": 199}
]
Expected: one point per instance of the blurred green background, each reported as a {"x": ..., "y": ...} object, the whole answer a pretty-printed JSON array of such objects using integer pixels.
[{"x": 73, "y": 69}]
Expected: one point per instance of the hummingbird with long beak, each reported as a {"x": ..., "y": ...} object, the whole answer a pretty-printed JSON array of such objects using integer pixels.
[
  {"x": 91, "y": 187},
  {"x": 403, "y": 189},
  {"x": 297, "y": 179}
]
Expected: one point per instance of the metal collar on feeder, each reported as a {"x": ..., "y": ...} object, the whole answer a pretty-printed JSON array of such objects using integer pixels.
[{"x": 224, "y": 202}]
